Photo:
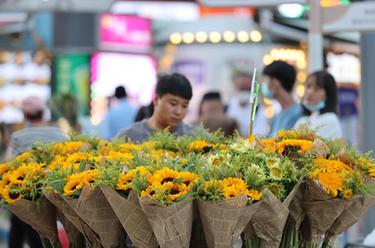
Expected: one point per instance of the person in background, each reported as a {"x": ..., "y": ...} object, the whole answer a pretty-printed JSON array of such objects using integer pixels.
[
  {"x": 35, "y": 131},
  {"x": 145, "y": 112},
  {"x": 278, "y": 82},
  {"x": 212, "y": 115},
  {"x": 320, "y": 105},
  {"x": 239, "y": 106},
  {"x": 173, "y": 94},
  {"x": 121, "y": 114}
]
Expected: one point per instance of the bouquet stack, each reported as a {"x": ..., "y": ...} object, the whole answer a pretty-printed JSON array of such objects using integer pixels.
[{"x": 294, "y": 190}]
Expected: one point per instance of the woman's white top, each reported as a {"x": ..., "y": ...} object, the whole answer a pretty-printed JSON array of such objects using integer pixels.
[{"x": 326, "y": 125}]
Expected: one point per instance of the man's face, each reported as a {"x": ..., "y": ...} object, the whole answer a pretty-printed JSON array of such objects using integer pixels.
[{"x": 170, "y": 110}]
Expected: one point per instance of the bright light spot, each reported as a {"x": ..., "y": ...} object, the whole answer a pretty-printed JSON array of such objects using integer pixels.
[
  {"x": 267, "y": 101},
  {"x": 256, "y": 36},
  {"x": 267, "y": 59},
  {"x": 301, "y": 64},
  {"x": 201, "y": 37},
  {"x": 243, "y": 36},
  {"x": 301, "y": 76},
  {"x": 300, "y": 90},
  {"x": 188, "y": 38},
  {"x": 268, "y": 112},
  {"x": 215, "y": 37},
  {"x": 291, "y": 10},
  {"x": 229, "y": 36},
  {"x": 175, "y": 38}
]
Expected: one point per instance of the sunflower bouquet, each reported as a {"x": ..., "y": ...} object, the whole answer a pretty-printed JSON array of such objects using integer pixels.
[{"x": 21, "y": 190}]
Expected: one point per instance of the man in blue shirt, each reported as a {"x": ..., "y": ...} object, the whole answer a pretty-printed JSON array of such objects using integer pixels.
[
  {"x": 279, "y": 79},
  {"x": 120, "y": 115}
]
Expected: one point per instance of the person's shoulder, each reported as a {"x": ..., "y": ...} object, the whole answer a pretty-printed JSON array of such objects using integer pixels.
[
  {"x": 189, "y": 129},
  {"x": 329, "y": 117},
  {"x": 137, "y": 127}
]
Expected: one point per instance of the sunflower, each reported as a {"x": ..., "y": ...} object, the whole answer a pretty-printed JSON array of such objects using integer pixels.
[
  {"x": 150, "y": 191},
  {"x": 68, "y": 147},
  {"x": 73, "y": 185},
  {"x": 24, "y": 157},
  {"x": 276, "y": 172},
  {"x": 213, "y": 185},
  {"x": 11, "y": 193},
  {"x": 4, "y": 168},
  {"x": 123, "y": 157},
  {"x": 200, "y": 146},
  {"x": 188, "y": 178},
  {"x": 332, "y": 183},
  {"x": 297, "y": 145},
  {"x": 129, "y": 148},
  {"x": 164, "y": 175},
  {"x": 125, "y": 178},
  {"x": 268, "y": 145},
  {"x": 255, "y": 195},
  {"x": 347, "y": 193},
  {"x": 232, "y": 192},
  {"x": 175, "y": 191}
]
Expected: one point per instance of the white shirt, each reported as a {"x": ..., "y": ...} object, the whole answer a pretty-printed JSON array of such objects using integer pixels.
[{"x": 326, "y": 125}]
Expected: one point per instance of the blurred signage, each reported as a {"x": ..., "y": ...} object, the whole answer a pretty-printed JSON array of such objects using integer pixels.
[
  {"x": 72, "y": 75},
  {"x": 181, "y": 11},
  {"x": 236, "y": 11},
  {"x": 255, "y": 3},
  {"x": 125, "y": 33},
  {"x": 345, "y": 68},
  {"x": 354, "y": 17}
]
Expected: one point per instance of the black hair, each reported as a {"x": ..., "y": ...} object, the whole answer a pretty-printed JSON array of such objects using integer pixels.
[
  {"x": 211, "y": 95},
  {"x": 175, "y": 84},
  {"x": 283, "y": 72},
  {"x": 37, "y": 116},
  {"x": 120, "y": 92},
  {"x": 326, "y": 81}
]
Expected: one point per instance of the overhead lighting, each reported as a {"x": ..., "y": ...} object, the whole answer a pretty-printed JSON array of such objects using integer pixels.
[
  {"x": 243, "y": 36},
  {"x": 201, "y": 37},
  {"x": 229, "y": 36},
  {"x": 291, "y": 10},
  {"x": 256, "y": 36},
  {"x": 188, "y": 37},
  {"x": 175, "y": 38},
  {"x": 215, "y": 37}
]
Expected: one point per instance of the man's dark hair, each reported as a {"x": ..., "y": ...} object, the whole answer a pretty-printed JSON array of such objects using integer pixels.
[
  {"x": 212, "y": 95},
  {"x": 175, "y": 84},
  {"x": 120, "y": 92},
  {"x": 283, "y": 72},
  {"x": 34, "y": 117},
  {"x": 327, "y": 82}
]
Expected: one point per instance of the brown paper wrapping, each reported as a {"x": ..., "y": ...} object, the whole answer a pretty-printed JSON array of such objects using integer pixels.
[
  {"x": 171, "y": 224},
  {"x": 40, "y": 215},
  {"x": 359, "y": 207},
  {"x": 321, "y": 211},
  {"x": 75, "y": 237},
  {"x": 131, "y": 217},
  {"x": 94, "y": 209},
  {"x": 269, "y": 221},
  {"x": 67, "y": 208},
  {"x": 224, "y": 221}
]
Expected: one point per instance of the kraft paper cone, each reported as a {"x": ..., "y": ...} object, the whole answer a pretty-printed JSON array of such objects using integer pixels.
[
  {"x": 171, "y": 224},
  {"x": 296, "y": 208},
  {"x": 321, "y": 211},
  {"x": 197, "y": 234},
  {"x": 93, "y": 208},
  {"x": 269, "y": 222},
  {"x": 359, "y": 207},
  {"x": 75, "y": 237},
  {"x": 40, "y": 215},
  {"x": 224, "y": 221},
  {"x": 131, "y": 217},
  {"x": 66, "y": 207}
]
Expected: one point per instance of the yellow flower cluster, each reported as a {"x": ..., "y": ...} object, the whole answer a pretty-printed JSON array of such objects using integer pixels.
[
  {"x": 125, "y": 179},
  {"x": 302, "y": 145},
  {"x": 24, "y": 178},
  {"x": 169, "y": 185},
  {"x": 231, "y": 187},
  {"x": 200, "y": 146},
  {"x": 332, "y": 175},
  {"x": 68, "y": 147},
  {"x": 75, "y": 182}
]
